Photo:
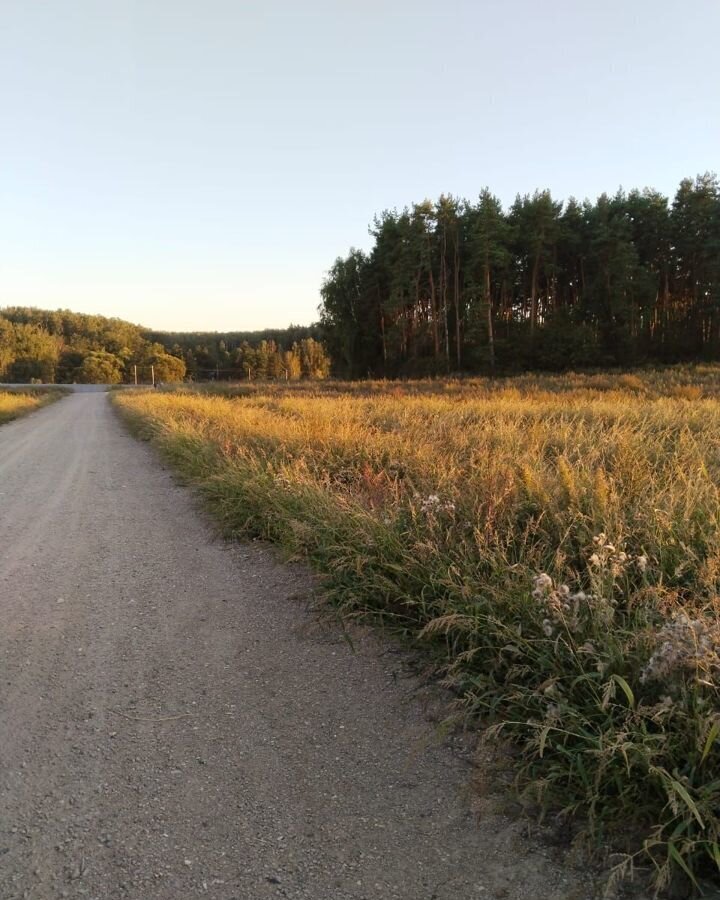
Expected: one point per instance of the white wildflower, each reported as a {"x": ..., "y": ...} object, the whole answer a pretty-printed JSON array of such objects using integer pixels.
[
  {"x": 434, "y": 504},
  {"x": 553, "y": 712},
  {"x": 542, "y": 583},
  {"x": 683, "y": 644},
  {"x": 607, "y": 556}
]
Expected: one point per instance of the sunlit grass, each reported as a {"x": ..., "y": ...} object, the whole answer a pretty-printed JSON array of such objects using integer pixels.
[
  {"x": 16, "y": 403},
  {"x": 434, "y": 507}
]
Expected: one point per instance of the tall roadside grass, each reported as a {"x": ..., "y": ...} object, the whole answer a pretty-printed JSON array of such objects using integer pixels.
[
  {"x": 14, "y": 403},
  {"x": 553, "y": 542}
]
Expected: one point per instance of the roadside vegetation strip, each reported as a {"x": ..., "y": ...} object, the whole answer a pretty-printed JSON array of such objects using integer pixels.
[
  {"x": 553, "y": 543},
  {"x": 15, "y": 402}
]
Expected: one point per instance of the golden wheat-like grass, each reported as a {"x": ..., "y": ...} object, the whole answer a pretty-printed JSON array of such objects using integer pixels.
[
  {"x": 435, "y": 507},
  {"x": 17, "y": 403}
]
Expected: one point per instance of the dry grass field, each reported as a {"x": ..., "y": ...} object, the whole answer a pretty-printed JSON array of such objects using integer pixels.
[
  {"x": 14, "y": 403},
  {"x": 552, "y": 541}
]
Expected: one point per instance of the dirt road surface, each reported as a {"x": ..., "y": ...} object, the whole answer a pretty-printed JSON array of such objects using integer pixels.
[{"x": 170, "y": 727}]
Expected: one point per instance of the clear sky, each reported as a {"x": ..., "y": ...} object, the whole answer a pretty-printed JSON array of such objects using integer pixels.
[{"x": 199, "y": 164}]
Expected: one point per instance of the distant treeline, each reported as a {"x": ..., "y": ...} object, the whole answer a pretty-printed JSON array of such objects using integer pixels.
[
  {"x": 63, "y": 347},
  {"x": 289, "y": 353},
  {"x": 458, "y": 285}
]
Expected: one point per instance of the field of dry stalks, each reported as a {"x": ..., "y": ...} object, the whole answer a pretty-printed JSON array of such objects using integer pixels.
[
  {"x": 552, "y": 542},
  {"x": 14, "y": 403}
]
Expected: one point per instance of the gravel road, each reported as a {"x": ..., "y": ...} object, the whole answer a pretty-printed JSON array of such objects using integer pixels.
[{"x": 173, "y": 726}]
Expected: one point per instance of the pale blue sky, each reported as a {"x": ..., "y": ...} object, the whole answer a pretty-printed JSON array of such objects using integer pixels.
[{"x": 199, "y": 164}]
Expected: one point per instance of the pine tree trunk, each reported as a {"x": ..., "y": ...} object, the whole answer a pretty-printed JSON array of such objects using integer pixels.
[
  {"x": 434, "y": 312},
  {"x": 384, "y": 340},
  {"x": 456, "y": 298},
  {"x": 488, "y": 303},
  {"x": 534, "y": 294}
]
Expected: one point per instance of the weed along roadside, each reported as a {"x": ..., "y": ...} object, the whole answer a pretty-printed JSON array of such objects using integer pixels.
[
  {"x": 20, "y": 401},
  {"x": 551, "y": 543}
]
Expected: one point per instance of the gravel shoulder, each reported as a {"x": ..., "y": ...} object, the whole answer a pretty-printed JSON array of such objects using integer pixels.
[{"x": 173, "y": 726}]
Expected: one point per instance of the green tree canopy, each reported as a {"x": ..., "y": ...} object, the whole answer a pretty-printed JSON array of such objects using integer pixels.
[
  {"x": 469, "y": 286},
  {"x": 100, "y": 367},
  {"x": 64, "y": 346}
]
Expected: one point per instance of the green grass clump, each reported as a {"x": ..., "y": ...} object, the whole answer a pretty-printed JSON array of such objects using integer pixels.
[{"x": 553, "y": 541}]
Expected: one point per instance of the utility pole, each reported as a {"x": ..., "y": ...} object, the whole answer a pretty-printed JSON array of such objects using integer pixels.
[
  {"x": 135, "y": 372},
  {"x": 152, "y": 372}
]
